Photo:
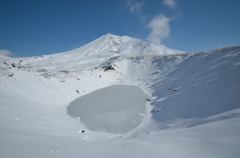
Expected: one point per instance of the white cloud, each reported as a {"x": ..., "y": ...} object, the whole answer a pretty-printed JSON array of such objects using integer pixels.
[
  {"x": 136, "y": 7},
  {"x": 5, "y": 53},
  {"x": 160, "y": 29},
  {"x": 170, "y": 3}
]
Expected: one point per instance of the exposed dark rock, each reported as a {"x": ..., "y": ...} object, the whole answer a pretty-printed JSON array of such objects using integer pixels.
[
  {"x": 158, "y": 72},
  {"x": 149, "y": 99},
  {"x": 11, "y": 74},
  {"x": 108, "y": 67},
  {"x": 156, "y": 110}
]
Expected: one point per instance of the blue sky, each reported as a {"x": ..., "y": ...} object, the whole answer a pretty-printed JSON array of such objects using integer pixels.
[{"x": 39, "y": 27}]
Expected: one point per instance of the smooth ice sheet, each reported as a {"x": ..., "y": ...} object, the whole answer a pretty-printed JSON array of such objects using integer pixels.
[{"x": 115, "y": 109}]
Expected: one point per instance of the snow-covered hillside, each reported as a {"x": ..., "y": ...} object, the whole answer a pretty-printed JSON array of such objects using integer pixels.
[
  {"x": 194, "y": 111},
  {"x": 104, "y": 49}
]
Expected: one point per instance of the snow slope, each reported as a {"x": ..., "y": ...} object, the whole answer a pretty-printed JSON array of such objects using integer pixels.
[{"x": 195, "y": 111}]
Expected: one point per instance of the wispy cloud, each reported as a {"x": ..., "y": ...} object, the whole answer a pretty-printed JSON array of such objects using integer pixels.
[
  {"x": 5, "y": 53},
  {"x": 160, "y": 29},
  {"x": 170, "y": 3},
  {"x": 136, "y": 7}
]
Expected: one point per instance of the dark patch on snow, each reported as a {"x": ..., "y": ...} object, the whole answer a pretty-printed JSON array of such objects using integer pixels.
[{"x": 108, "y": 67}]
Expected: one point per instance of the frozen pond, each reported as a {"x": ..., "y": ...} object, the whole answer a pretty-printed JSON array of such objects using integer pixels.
[{"x": 115, "y": 109}]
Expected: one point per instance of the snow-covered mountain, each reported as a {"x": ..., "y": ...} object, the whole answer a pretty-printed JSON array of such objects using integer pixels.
[
  {"x": 194, "y": 110},
  {"x": 107, "y": 47}
]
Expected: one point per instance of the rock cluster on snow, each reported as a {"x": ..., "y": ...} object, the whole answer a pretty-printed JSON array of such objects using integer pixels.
[{"x": 108, "y": 67}]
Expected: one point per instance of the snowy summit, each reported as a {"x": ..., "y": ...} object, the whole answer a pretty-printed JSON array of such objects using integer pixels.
[
  {"x": 190, "y": 102},
  {"x": 96, "y": 52}
]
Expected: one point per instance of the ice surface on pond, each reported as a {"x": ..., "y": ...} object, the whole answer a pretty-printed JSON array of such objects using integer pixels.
[{"x": 115, "y": 109}]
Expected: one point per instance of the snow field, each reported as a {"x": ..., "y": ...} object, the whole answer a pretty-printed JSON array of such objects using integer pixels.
[{"x": 194, "y": 110}]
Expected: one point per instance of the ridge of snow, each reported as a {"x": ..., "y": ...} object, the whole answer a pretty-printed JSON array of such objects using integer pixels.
[{"x": 4, "y": 58}]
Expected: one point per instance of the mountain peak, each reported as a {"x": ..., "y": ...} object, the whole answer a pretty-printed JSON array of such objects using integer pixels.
[
  {"x": 121, "y": 45},
  {"x": 109, "y": 37},
  {"x": 118, "y": 38}
]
